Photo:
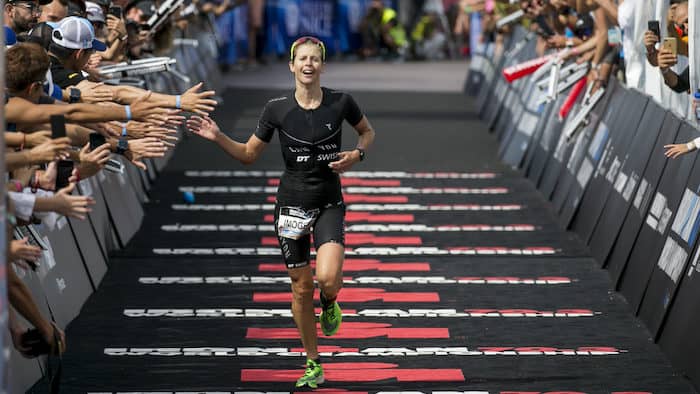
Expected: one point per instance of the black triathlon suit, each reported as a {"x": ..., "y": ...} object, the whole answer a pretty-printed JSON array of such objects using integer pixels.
[{"x": 309, "y": 197}]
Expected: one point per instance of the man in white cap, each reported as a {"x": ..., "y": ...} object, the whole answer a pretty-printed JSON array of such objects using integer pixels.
[{"x": 73, "y": 44}]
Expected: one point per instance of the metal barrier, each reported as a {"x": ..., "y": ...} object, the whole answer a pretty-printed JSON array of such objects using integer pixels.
[
  {"x": 76, "y": 255},
  {"x": 611, "y": 184}
]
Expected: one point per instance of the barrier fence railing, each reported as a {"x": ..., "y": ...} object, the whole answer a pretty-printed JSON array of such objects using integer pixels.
[
  {"x": 611, "y": 184},
  {"x": 76, "y": 252}
]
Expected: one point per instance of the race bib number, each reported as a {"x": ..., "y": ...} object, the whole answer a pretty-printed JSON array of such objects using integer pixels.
[{"x": 294, "y": 223}]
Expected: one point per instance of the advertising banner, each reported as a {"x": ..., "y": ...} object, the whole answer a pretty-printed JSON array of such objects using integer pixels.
[
  {"x": 627, "y": 235},
  {"x": 622, "y": 132},
  {"x": 627, "y": 182},
  {"x": 652, "y": 237}
]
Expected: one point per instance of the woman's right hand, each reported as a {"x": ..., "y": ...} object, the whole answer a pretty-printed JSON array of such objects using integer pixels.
[{"x": 204, "y": 127}]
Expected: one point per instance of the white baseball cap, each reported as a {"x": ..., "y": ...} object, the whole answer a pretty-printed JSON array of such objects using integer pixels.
[{"x": 75, "y": 32}]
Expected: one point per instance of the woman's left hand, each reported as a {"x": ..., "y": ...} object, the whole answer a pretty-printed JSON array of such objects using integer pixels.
[{"x": 345, "y": 160}]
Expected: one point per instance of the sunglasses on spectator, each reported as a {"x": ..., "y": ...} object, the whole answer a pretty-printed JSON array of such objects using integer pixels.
[
  {"x": 31, "y": 7},
  {"x": 305, "y": 39}
]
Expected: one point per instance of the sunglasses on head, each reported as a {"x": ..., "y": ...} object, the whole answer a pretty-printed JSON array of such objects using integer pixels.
[{"x": 305, "y": 39}]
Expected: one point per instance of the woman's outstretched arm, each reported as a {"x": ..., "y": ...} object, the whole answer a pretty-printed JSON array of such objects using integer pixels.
[{"x": 246, "y": 153}]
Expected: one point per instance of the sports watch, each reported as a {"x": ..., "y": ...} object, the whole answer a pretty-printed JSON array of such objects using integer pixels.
[
  {"x": 74, "y": 95},
  {"x": 122, "y": 146}
]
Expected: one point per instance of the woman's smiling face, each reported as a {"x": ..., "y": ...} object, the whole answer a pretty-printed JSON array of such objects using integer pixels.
[{"x": 307, "y": 64}]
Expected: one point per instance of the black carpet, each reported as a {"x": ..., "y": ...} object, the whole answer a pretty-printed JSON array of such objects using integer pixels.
[{"x": 457, "y": 278}]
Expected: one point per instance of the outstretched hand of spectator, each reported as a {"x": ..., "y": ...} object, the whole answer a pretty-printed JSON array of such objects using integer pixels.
[
  {"x": 193, "y": 100},
  {"x": 21, "y": 252},
  {"x": 36, "y": 138},
  {"x": 149, "y": 147},
  {"x": 675, "y": 150},
  {"x": 94, "y": 92},
  {"x": 143, "y": 109},
  {"x": 92, "y": 161},
  {"x": 72, "y": 206},
  {"x": 50, "y": 150},
  {"x": 142, "y": 130}
]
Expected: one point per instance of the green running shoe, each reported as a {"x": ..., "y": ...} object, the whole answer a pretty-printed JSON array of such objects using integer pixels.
[
  {"x": 330, "y": 319},
  {"x": 313, "y": 376}
]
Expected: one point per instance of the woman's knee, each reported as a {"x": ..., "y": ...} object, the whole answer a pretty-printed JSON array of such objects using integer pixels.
[
  {"x": 302, "y": 287},
  {"x": 330, "y": 282}
]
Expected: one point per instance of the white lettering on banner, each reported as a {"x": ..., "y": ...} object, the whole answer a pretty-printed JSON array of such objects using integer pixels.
[
  {"x": 287, "y": 392},
  {"x": 434, "y": 207},
  {"x": 244, "y": 279},
  {"x": 664, "y": 219},
  {"x": 629, "y": 188},
  {"x": 612, "y": 171},
  {"x": 85, "y": 187},
  {"x": 222, "y": 207},
  {"x": 354, "y": 207},
  {"x": 641, "y": 193},
  {"x": 393, "y": 313},
  {"x": 686, "y": 222},
  {"x": 350, "y": 174},
  {"x": 350, "y": 190},
  {"x": 418, "y": 251},
  {"x": 620, "y": 182},
  {"x": 584, "y": 173},
  {"x": 377, "y": 228},
  {"x": 659, "y": 214},
  {"x": 600, "y": 169},
  {"x": 61, "y": 285},
  {"x": 426, "y": 190},
  {"x": 694, "y": 264},
  {"x": 229, "y": 189},
  {"x": 672, "y": 259},
  {"x": 61, "y": 223},
  {"x": 366, "y": 352},
  {"x": 368, "y": 392}
]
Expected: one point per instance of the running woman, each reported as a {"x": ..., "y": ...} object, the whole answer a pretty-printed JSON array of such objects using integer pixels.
[{"x": 309, "y": 199}]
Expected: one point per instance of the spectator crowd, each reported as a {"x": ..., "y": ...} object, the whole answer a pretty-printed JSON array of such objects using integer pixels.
[
  {"x": 630, "y": 40},
  {"x": 66, "y": 122}
]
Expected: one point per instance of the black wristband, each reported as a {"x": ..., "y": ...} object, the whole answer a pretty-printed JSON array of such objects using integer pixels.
[
  {"x": 362, "y": 153},
  {"x": 122, "y": 146}
]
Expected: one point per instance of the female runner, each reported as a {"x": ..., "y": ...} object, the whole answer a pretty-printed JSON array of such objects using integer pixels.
[{"x": 309, "y": 199}]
